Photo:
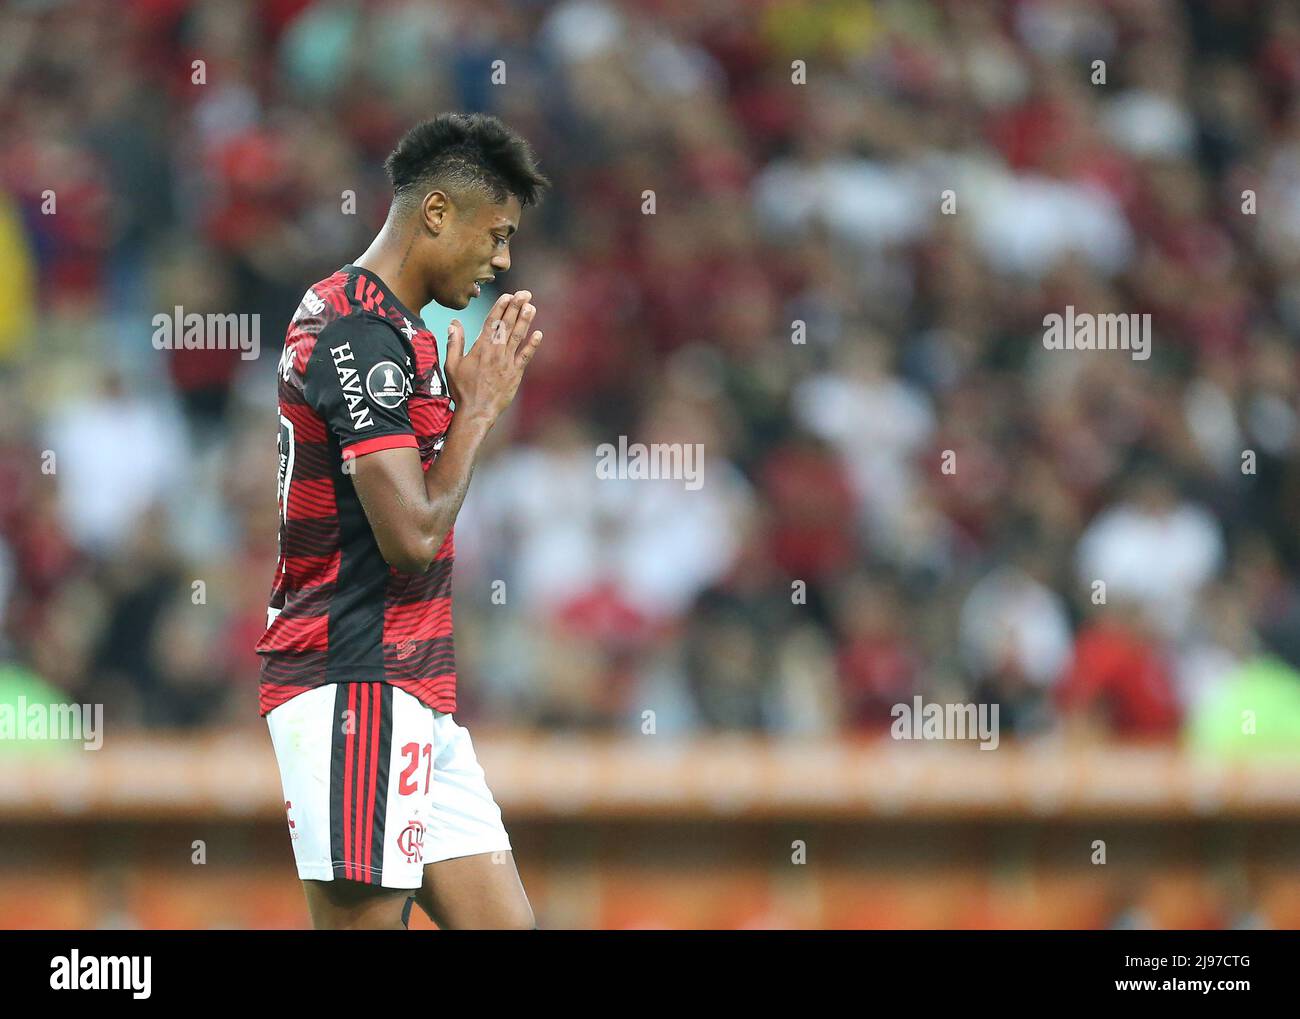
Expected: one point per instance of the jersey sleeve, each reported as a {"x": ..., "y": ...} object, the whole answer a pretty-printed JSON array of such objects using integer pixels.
[{"x": 358, "y": 381}]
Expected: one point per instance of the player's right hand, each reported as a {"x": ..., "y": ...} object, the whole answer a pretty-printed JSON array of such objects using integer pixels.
[{"x": 484, "y": 381}]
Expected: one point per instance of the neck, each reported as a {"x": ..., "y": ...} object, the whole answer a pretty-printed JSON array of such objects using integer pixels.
[{"x": 389, "y": 258}]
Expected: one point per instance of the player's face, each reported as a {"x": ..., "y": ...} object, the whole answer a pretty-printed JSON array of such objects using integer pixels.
[{"x": 477, "y": 247}]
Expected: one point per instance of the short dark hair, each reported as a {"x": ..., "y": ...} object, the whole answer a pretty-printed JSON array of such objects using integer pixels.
[{"x": 465, "y": 152}]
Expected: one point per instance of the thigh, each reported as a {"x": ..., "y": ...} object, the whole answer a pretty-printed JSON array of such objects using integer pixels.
[
  {"x": 479, "y": 892},
  {"x": 351, "y": 906}
]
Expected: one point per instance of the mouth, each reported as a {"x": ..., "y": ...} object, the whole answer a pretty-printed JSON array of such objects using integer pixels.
[{"x": 480, "y": 283}]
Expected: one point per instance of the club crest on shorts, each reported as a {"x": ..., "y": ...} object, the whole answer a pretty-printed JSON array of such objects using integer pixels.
[
  {"x": 387, "y": 385},
  {"x": 411, "y": 842}
]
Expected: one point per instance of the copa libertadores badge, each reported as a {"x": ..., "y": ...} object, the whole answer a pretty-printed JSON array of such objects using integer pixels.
[{"x": 387, "y": 385}]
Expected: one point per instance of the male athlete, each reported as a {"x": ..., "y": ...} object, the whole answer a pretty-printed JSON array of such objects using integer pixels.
[{"x": 387, "y": 804}]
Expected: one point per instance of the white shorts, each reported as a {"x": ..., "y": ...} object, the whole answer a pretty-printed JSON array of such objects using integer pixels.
[{"x": 376, "y": 785}]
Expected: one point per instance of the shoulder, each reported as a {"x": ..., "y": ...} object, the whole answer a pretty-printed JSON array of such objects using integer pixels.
[{"x": 364, "y": 335}]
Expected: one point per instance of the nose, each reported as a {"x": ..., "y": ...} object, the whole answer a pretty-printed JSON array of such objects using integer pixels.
[{"x": 501, "y": 262}]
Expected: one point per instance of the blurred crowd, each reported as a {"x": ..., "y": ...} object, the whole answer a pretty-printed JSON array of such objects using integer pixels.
[{"x": 862, "y": 213}]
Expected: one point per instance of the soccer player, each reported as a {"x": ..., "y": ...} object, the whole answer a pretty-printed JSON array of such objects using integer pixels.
[{"x": 387, "y": 804}]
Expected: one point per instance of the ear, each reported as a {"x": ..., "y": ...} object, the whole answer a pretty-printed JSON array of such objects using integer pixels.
[{"x": 434, "y": 211}]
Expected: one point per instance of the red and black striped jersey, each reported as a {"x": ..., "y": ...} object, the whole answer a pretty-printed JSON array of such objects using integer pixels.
[{"x": 359, "y": 373}]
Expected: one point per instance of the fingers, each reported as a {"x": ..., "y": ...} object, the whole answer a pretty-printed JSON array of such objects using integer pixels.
[
  {"x": 494, "y": 316},
  {"x": 503, "y": 332},
  {"x": 455, "y": 344},
  {"x": 523, "y": 323},
  {"x": 527, "y": 351}
]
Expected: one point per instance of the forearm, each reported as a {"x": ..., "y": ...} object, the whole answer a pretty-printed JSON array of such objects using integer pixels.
[{"x": 447, "y": 480}]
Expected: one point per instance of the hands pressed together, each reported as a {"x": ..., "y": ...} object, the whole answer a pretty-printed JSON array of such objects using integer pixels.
[{"x": 484, "y": 381}]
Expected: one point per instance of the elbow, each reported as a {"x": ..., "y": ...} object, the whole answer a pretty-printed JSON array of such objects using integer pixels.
[
  {"x": 412, "y": 557},
  {"x": 409, "y": 562},
  {"x": 402, "y": 564}
]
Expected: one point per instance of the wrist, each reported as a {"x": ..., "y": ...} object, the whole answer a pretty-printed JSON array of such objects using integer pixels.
[{"x": 472, "y": 419}]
